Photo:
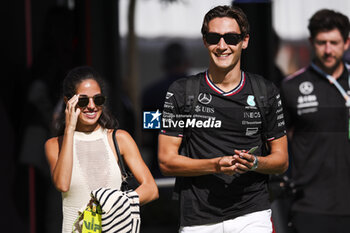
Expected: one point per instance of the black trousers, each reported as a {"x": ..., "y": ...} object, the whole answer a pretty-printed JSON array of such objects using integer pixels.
[{"x": 320, "y": 223}]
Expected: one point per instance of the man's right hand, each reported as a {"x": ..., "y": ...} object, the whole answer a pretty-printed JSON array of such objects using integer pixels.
[{"x": 230, "y": 166}]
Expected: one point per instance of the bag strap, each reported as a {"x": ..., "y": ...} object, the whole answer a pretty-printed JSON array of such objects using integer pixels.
[
  {"x": 260, "y": 94},
  {"x": 191, "y": 95},
  {"x": 120, "y": 158},
  {"x": 191, "y": 92}
]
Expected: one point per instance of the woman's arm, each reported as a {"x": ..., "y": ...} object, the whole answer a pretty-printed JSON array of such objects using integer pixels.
[
  {"x": 60, "y": 158},
  {"x": 148, "y": 190},
  {"x": 60, "y": 161}
]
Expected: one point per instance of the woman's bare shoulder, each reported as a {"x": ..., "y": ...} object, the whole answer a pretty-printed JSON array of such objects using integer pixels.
[
  {"x": 53, "y": 142},
  {"x": 121, "y": 134}
]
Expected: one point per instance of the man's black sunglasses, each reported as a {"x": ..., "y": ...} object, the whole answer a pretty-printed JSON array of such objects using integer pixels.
[
  {"x": 230, "y": 38},
  {"x": 99, "y": 100}
]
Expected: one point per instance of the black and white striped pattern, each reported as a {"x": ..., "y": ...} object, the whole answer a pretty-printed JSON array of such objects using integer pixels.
[{"x": 121, "y": 210}]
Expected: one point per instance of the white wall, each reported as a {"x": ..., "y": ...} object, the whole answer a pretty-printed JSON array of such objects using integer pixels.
[
  {"x": 291, "y": 17},
  {"x": 155, "y": 18},
  {"x": 183, "y": 18}
]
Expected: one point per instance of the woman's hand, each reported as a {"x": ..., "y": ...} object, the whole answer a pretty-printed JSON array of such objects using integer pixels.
[
  {"x": 72, "y": 112},
  {"x": 60, "y": 157}
]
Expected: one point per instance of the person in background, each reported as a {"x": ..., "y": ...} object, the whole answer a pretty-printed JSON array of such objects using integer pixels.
[
  {"x": 221, "y": 185},
  {"x": 175, "y": 65},
  {"x": 277, "y": 75},
  {"x": 317, "y": 112},
  {"x": 82, "y": 157}
]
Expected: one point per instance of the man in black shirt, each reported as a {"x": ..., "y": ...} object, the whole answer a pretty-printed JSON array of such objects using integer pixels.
[
  {"x": 317, "y": 113},
  {"x": 221, "y": 185}
]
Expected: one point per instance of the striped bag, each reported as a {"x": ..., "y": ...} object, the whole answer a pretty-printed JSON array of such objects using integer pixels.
[{"x": 120, "y": 210}]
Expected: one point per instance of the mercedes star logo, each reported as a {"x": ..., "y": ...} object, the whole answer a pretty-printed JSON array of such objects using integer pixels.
[
  {"x": 204, "y": 98},
  {"x": 306, "y": 88}
]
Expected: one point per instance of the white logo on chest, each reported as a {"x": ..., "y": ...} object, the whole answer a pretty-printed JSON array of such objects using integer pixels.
[
  {"x": 204, "y": 98},
  {"x": 306, "y": 88},
  {"x": 250, "y": 100}
]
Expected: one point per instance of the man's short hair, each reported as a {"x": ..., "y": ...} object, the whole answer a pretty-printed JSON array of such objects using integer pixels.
[
  {"x": 326, "y": 20},
  {"x": 230, "y": 12}
]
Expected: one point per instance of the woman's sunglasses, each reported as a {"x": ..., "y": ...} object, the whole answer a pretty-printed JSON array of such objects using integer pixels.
[
  {"x": 99, "y": 100},
  {"x": 230, "y": 38}
]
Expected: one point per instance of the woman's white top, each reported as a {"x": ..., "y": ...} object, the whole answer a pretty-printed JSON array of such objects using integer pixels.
[{"x": 94, "y": 166}]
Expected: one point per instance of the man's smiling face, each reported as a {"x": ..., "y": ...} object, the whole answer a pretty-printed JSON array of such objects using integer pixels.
[{"x": 222, "y": 55}]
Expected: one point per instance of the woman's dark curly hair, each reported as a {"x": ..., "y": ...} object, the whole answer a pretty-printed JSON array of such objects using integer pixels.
[{"x": 70, "y": 84}]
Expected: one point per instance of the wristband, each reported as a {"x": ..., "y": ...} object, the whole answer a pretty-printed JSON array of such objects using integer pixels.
[{"x": 255, "y": 163}]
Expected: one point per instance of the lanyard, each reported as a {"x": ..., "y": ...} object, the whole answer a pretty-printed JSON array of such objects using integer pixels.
[
  {"x": 335, "y": 82},
  {"x": 339, "y": 87}
]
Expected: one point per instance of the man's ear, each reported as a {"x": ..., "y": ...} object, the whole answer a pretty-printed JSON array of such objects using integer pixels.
[
  {"x": 347, "y": 44},
  {"x": 245, "y": 42},
  {"x": 204, "y": 42},
  {"x": 311, "y": 40}
]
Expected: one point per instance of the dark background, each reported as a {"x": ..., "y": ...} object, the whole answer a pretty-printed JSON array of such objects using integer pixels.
[{"x": 40, "y": 41}]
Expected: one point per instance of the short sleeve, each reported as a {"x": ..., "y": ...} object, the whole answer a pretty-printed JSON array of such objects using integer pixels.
[
  {"x": 275, "y": 116},
  {"x": 287, "y": 94},
  {"x": 172, "y": 109}
]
